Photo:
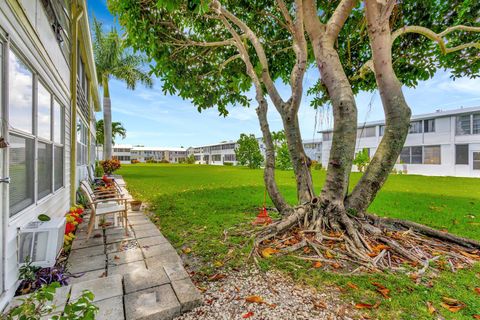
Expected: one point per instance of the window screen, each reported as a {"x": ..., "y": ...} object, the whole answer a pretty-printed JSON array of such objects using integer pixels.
[
  {"x": 21, "y": 173},
  {"x": 429, "y": 125},
  {"x": 58, "y": 159},
  {"x": 463, "y": 125},
  {"x": 416, "y": 155},
  {"x": 476, "y": 123},
  {"x": 431, "y": 155},
  {"x": 461, "y": 154},
  {"x": 20, "y": 84},
  {"x": 415, "y": 127},
  {"x": 44, "y": 169},
  {"x": 44, "y": 115}
]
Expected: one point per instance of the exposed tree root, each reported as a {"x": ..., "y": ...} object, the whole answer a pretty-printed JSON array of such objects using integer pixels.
[{"x": 373, "y": 243}]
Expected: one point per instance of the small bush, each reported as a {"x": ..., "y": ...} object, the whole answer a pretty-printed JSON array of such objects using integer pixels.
[
  {"x": 318, "y": 166},
  {"x": 133, "y": 161},
  {"x": 228, "y": 163},
  {"x": 110, "y": 166},
  {"x": 164, "y": 161},
  {"x": 151, "y": 161}
]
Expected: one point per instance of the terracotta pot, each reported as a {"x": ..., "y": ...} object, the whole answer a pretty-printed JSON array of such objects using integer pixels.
[{"x": 136, "y": 205}]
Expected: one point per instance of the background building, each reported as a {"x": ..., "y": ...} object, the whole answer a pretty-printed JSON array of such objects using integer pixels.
[
  {"x": 48, "y": 98},
  {"x": 143, "y": 154},
  {"x": 444, "y": 143},
  {"x": 215, "y": 154}
]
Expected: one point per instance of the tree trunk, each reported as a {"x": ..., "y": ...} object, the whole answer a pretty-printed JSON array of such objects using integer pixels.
[
  {"x": 344, "y": 109},
  {"x": 269, "y": 172},
  {"x": 107, "y": 122},
  {"x": 397, "y": 112},
  {"x": 300, "y": 162}
]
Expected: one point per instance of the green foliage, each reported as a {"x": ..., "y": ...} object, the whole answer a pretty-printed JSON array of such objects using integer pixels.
[
  {"x": 39, "y": 304},
  {"x": 27, "y": 270},
  {"x": 190, "y": 159},
  {"x": 228, "y": 164},
  {"x": 199, "y": 73},
  {"x": 362, "y": 159},
  {"x": 317, "y": 165},
  {"x": 248, "y": 152},
  {"x": 117, "y": 130},
  {"x": 283, "y": 161},
  {"x": 114, "y": 59}
]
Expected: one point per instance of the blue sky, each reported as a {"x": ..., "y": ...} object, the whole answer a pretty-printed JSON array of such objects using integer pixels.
[{"x": 154, "y": 119}]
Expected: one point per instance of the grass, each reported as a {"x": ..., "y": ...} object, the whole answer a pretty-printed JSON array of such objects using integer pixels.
[{"x": 195, "y": 204}]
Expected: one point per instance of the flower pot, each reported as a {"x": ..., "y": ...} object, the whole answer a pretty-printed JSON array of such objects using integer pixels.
[{"x": 136, "y": 205}]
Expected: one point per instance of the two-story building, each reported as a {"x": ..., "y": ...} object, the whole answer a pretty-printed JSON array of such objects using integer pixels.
[
  {"x": 215, "y": 154},
  {"x": 444, "y": 143},
  {"x": 48, "y": 96}
]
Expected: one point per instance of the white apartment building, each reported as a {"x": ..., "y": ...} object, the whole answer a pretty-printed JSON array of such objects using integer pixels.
[
  {"x": 215, "y": 154},
  {"x": 126, "y": 153},
  {"x": 444, "y": 143}
]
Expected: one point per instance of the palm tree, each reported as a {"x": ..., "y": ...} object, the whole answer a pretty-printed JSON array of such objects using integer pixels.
[
  {"x": 114, "y": 60},
  {"x": 117, "y": 130}
]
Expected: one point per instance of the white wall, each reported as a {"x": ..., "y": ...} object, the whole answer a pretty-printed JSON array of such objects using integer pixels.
[{"x": 51, "y": 66}]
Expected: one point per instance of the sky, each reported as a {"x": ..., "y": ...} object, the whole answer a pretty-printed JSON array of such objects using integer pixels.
[{"x": 154, "y": 119}]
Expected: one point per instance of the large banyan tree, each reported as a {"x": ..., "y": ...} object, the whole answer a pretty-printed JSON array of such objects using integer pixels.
[{"x": 215, "y": 52}]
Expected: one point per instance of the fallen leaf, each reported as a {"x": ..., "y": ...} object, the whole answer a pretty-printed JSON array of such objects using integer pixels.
[
  {"x": 362, "y": 305},
  {"x": 116, "y": 257},
  {"x": 469, "y": 255},
  {"x": 319, "y": 305},
  {"x": 254, "y": 299},
  {"x": 187, "y": 250},
  {"x": 384, "y": 291},
  {"x": 317, "y": 264},
  {"x": 430, "y": 308},
  {"x": 216, "y": 277},
  {"x": 218, "y": 264},
  {"x": 352, "y": 285},
  {"x": 247, "y": 315},
  {"x": 336, "y": 265},
  {"x": 267, "y": 252},
  {"x": 328, "y": 254},
  {"x": 477, "y": 290},
  {"x": 476, "y": 316},
  {"x": 380, "y": 247},
  {"x": 452, "y": 305}
]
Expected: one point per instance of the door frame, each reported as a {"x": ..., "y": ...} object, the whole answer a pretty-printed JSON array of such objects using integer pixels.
[{"x": 474, "y": 171}]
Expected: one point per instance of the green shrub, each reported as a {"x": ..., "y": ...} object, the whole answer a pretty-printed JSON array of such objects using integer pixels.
[
  {"x": 164, "y": 161},
  {"x": 39, "y": 304},
  {"x": 318, "y": 166},
  {"x": 228, "y": 163}
]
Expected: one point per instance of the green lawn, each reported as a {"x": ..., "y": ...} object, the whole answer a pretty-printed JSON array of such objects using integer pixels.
[{"x": 195, "y": 204}]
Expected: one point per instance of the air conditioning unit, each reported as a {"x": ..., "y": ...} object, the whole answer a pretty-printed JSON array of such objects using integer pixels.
[{"x": 41, "y": 242}]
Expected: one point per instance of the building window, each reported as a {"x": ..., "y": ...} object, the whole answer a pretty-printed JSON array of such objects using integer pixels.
[
  {"x": 429, "y": 125},
  {"x": 366, "y": 132},
  {"x": 44, "y": 112},
  {"x": 463, "y": 125},
  {"x": 58, "y": 168},
  {"x": 431, "y": 155},
  {"x": 44, "y": 169},
  {"x": 476, "y": 123},
  {"x": 461, "y": 154},
  {"x": 217, "y": 157},
  {"x": 381, "y": 130},
  {"x": 229, "y": 157},
  {"x": 419, "y": 155},
  {"x": 476, "y": 161},
  {"x": 20, "y": 83},
  {"x": 415, "y": 127},
  {"x": 327, "y": 136},
  {"x": 22, "y": 176},
  {"x": 82, "y": 143}
]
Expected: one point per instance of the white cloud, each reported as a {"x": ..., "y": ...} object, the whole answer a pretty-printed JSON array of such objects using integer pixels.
[{"x": 461, "y": 85}]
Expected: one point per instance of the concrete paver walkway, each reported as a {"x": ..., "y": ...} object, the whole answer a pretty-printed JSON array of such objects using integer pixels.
[{"x": 133, "y": 276}]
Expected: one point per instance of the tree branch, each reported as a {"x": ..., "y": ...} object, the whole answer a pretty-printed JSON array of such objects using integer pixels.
[
  {"x": 338, "y": 18},
  {"x": 267, "y": 80},
  {"x": 437, "y": 37}
]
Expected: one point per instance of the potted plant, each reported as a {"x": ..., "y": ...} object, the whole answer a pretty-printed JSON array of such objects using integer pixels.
[
  {"x": 110, "y": 166},
  {"x": 136, "y": 204}
]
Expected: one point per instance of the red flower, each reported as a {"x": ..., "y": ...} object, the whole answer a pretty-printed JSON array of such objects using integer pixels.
[{"x": 69, "y": 227}]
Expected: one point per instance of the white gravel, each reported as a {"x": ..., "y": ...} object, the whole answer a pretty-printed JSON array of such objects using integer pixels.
[{"x": 283, "y": 299}]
